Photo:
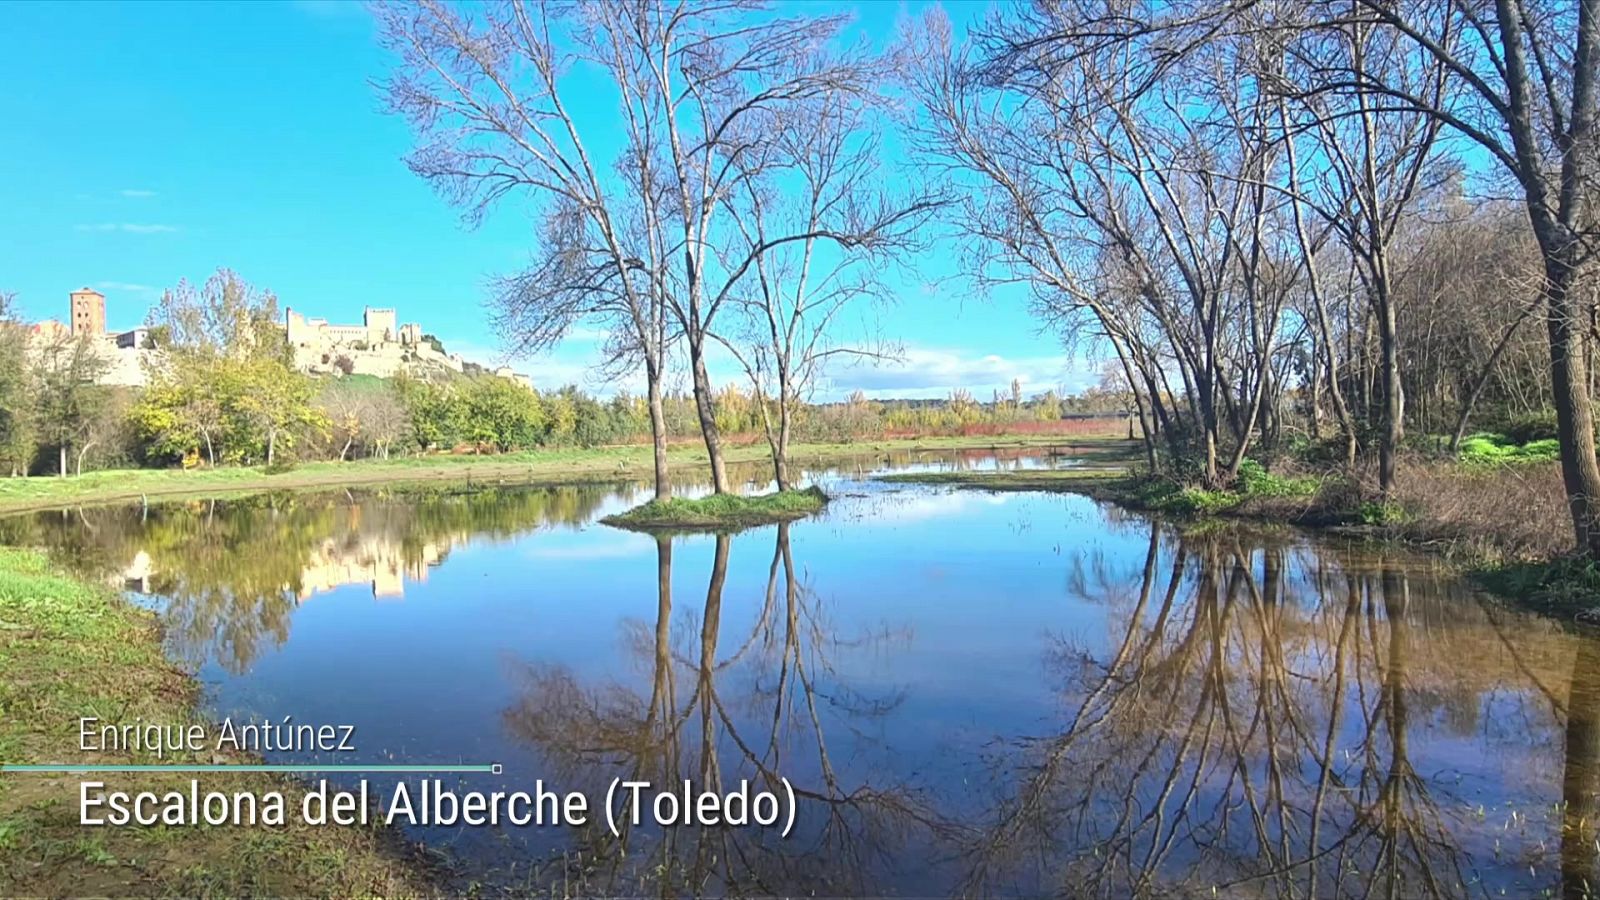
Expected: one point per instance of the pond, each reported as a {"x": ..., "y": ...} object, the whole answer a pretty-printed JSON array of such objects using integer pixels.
[{"x": 969, "y": 693}]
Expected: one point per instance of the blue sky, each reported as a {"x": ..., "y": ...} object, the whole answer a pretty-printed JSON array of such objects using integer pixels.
[{"x": 147, "y": 142}]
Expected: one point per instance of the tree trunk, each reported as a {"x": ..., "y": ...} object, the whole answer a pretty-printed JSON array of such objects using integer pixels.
[
  {"x": 1316, "y": 394},
  {"x": 61, "y": 460},
  {"x": 660, "y": 684},
  {"x": 1569, "y": 382},
  {"x": 1394, "y": 400},
  {"x": 1148, "y": 436},
  {"x": 777, "y": 441},
  {"x": 703, "y": 405},
  {"x": 272, "y": 440},
  {"x": 82, "y": 452},
  {"x": 658, "y": 433},
  {"x": 780, "y": 461}
]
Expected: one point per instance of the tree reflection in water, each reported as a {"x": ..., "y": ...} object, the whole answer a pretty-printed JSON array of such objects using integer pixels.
[
  {"x": 230, "y": 573},
  {"x": 1249, "y": 734},
  {"x": 1244, "y": 714},
  {"x": 759, "y": 706}
]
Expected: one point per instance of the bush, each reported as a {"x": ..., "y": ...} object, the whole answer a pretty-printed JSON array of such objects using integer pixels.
[
  {"x": 1377, "y": 512},
  {"x": 1256, "y": 481},
  {"x": 1201, "y": 502},
  {"x": 281, "y": 463},
  {"x": 1525, "y": 429}
]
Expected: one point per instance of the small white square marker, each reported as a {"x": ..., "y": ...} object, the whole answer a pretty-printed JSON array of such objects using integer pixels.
[{"x": 494, "y": 769}]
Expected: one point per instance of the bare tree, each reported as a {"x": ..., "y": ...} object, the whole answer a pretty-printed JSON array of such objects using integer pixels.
[
  {"x": 483, "y": 90},
  {"x": 1518, "y": 87},
  {"x": 1112, "y": 206},
  {"x": 802, "y": 288},
  {"x": 708, "y": 91},
  {"x": 1367, "y": 168}
]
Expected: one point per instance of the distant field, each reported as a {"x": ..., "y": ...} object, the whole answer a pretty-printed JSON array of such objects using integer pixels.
[{"x": 614, "y": 464}]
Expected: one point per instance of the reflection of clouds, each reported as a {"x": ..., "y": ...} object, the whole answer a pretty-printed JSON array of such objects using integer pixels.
[
  {"x": 589, "y": 549},
  {"x": 920, "y": 505}
]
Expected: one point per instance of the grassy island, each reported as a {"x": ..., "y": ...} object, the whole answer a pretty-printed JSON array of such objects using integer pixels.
[
  {"x": 720, "y": 512},
  {"x": 73, "y": 649}
]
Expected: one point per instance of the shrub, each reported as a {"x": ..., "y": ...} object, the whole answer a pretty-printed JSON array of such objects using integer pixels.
[
  {"x": 1201, "y": 502},
  {"x": 1525, "y": 429},
  {"x": 1377, "y": 512},
  {"x": 281, "y": 463},
  {"x": 1256, "y": 481}
]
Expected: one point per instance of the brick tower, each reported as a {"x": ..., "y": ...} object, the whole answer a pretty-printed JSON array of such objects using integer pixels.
[{"x": 88, "y": 312}]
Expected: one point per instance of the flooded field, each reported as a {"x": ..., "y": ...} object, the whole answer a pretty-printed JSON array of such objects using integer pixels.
[{"x": 1009, "y": 694}]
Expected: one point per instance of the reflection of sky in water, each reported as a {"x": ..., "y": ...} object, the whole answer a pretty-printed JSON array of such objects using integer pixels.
[{"x": 946, "y": 630}]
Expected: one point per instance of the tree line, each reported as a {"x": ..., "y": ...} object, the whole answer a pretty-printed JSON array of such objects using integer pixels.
[{"x": 222, "y": 390}]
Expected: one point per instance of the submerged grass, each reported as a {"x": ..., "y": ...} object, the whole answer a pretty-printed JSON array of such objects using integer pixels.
[
  {"x": 70, "y": 649},
  {"x": 1566, "y": 588},
  {"x": 719, "y": 512}
]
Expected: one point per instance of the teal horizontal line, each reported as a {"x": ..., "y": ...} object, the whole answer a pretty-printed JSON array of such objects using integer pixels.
[{"x": 28, "y": 767}]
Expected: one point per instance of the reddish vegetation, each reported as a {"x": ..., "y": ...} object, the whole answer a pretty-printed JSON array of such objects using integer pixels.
[
  {"x": 1090, "y": 427},
  {"x": 1075, "y": 427}
]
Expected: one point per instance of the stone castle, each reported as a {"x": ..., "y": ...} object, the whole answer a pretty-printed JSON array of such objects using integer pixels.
[{"x": 379, "y": 346}]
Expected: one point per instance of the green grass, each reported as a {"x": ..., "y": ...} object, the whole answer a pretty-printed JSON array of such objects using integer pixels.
[
  {"x": 1486, "y": 448},
  {"x": 718, "y": 512},
  {"x": 555, "y": 466},
  {"x": 73, "y": 649},
  {"x": 1116, "y": 484},
  {"x": 1024, "y": 480}
]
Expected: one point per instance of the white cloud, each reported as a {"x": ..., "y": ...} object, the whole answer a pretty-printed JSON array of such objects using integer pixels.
[
  {"x": 129, "y": 228},
  {"x": 126, "y": 287},
  {"x": 921, "y": 372},
  {"x": 935, "y": 372},
  {"x": 901, "y": 506},
  {"x": 136, "y": 193}
]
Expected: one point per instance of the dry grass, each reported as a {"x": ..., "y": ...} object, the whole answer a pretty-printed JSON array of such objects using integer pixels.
[{"x": 1498, "y": 513}]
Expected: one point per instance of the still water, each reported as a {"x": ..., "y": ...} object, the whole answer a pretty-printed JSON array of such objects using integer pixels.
[{"x": 970, "y": 693}]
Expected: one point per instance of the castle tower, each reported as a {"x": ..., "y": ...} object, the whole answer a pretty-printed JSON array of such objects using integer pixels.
[
  {"x": 88, "y": 312},
  {"x": 381, "y": 325}
]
